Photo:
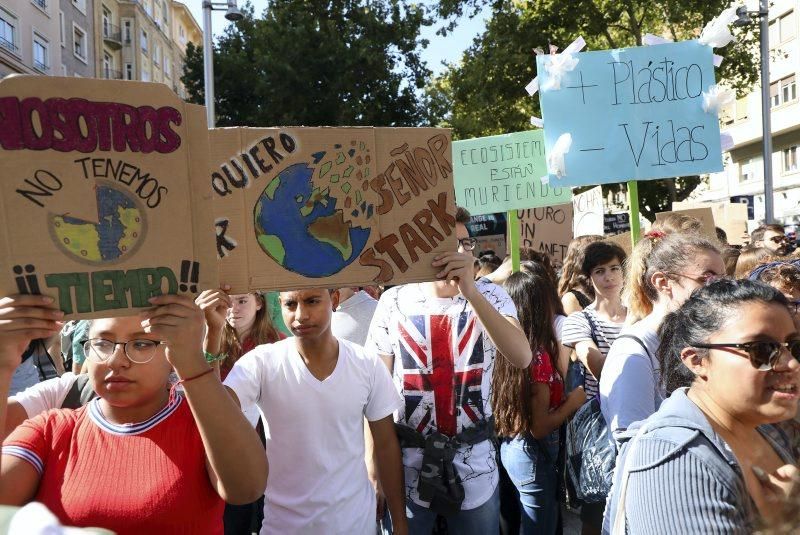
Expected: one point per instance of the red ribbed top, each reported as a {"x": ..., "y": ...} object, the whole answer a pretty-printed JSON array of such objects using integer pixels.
[{"x": 140, "y": 478}]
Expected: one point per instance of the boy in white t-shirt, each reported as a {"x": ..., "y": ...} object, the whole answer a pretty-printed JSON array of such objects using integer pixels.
[{"x": 315, "y": 391}]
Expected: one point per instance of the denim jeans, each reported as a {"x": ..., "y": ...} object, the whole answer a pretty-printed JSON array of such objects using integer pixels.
[
  {"x": 531, "y": 466},
  {"x": 483, "y": 520}
]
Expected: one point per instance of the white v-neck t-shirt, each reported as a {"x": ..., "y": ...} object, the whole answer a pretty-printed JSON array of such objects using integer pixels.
[{"x": 315, "y": 435}]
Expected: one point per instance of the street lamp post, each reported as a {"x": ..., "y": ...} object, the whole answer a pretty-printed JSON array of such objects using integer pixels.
[
  {"x": 232, "y": 13},
  {"x": 766, "y": 128}
]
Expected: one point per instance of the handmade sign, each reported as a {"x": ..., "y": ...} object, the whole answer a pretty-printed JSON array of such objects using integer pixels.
[
  {"x": 616, "y": 223},
  {"x": 487, "y": 225},
  {"x": 704, "y": 214},
  {"x": 547, "y": 229},
  {"x": 622, "y": 239},
  {"x": 588, "y": 209},
  {"x": 104, "y": 201},
  {"x": 330, "y": 207},
  {"x": 729, "y": 216},
  {"x": 633, "y": 113},
  {"x": 502, "y": 173}
]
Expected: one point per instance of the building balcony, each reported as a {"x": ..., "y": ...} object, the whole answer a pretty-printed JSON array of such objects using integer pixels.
[
  {"x": 111, "y": 74},
  {"x": 112, "y": 36},
  {"x": 8, "y": 45}
]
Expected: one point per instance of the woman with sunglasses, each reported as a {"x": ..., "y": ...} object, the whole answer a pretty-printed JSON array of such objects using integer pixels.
[
  {"x": 663, "y": 270},
  {"x": 784, "y": 276},
  {"x": 155, "y": 462},
  {"x": 710, "y": 459}
]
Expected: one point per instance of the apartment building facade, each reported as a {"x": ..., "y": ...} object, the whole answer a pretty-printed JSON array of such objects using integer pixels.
[
  {"x": 76, "y": 35},
  {"x": 743, "y": 177},
  {"x": 144, "y": 40},
  {"x": 30, "y": 37},
  {"x": 113, "y": 39}
]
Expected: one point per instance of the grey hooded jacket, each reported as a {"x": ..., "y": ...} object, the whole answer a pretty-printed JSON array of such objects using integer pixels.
[{"x": 683, "y": 477}]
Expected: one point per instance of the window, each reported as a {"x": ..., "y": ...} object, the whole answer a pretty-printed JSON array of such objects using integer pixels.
[
  {"x": 108, "y": 66},
  {"x": 790, "y": 159},
  {"x": 127, "y": 31},
  {"x": 145, "y": 75},
  {"x": 61, "y": 31},
  {"x": 8, "y": 31},
  {"x": 167, "y": 68},
  {"x": 148, "y": 7},
  {"x": 80, "y": 5},
  {"x": 752, "y": 169},
  {"x": 144, "y": 42},
  {"x": 40, "y": 55},
  {"x": 783, "y": 91},
  {"x": 106, "y": 22},
  {"x": 128, "y": 71},
  {"x": 156, "y": 54},
  {"x": 41, "y": 4},
  {"x": 79, "y": 46},
  {"x": 741, "y": 109},
  {"x": 782, "y": 29},
  {"x": 165, "y": 13},
  {"x": 788, "y": 89}
]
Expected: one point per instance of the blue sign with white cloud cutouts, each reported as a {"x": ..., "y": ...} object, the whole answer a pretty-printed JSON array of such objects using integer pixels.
[{"x": 632, "y": 113}]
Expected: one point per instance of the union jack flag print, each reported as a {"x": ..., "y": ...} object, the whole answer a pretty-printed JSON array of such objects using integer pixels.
[{"x": 443, "y": 361}]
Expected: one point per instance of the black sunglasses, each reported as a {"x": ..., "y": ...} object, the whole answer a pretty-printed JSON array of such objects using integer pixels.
[{"x": 762, "y": 355}]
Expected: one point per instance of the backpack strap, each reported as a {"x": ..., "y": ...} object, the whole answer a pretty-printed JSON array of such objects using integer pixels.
[
  {"x": 79, "y": 394},
  {"x": 641, "y": 343}
]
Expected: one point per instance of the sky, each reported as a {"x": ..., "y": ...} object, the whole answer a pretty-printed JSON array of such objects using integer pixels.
[{"x": 448, "y": 49}]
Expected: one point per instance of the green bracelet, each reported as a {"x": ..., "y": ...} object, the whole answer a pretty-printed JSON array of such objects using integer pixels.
[{"x": 211, "y": 358}]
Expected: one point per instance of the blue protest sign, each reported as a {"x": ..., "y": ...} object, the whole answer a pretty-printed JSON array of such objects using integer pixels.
[
  {"x": 502, "y": 173},
  {"x": 632, "y": 113}
]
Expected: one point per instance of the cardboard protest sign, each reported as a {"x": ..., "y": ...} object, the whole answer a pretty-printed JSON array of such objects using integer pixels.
[
  {"x": 729, "y": 216},
  {"x": 502, "y": 173},
  {"x": 103, "y": 191},
  {"x": 622, "y": 239},
  {"x": 632, "y": 113},
  {"x": 588, "y": 209},
  {"x": 705, "y": 215},
  {"x": 327, "y": 207},
  {"x": 547, "y": 229}
]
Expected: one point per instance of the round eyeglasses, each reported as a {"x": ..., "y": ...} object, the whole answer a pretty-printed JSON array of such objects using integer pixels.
[
  {"x": 137, "y": 351},
  {"x": 468, "y": 243}
]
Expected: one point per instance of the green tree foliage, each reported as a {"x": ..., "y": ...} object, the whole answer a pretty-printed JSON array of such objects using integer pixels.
[
  {"x": 317, "y": 62},
  {"x": 484, "y": 94}
]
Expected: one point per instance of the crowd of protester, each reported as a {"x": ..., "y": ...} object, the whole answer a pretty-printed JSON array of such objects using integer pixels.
[{"x": 655, "y": 392}]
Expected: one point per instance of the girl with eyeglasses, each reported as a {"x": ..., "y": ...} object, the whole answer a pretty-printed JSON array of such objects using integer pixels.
[
  {"x": 155, "y": 461},
  {"x": 711, "y": 460},
  {"x": 663, "y": 270}
]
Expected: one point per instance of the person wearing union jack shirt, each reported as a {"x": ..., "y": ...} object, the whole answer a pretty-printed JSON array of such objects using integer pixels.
[{"x": 440, "y": 340}]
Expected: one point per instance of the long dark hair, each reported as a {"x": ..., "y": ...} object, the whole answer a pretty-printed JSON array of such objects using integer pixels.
[
  {"x": 705, "y": 312},
  {"x": 534, "y": 295}
]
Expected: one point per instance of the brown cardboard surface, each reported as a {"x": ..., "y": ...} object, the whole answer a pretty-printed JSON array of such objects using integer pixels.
[
  {"x": 104, "y": 199},
  {"x": 327, "y": 207},
  {"x": 623, "y": 239},
  {"x": 730, "y": 217},
  {"x": 704, "y": 214},
  {"x": 548, "y": 229}
]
